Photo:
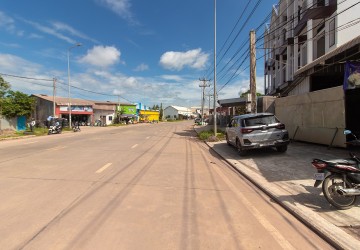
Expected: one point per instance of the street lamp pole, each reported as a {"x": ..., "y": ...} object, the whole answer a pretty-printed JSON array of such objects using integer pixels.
[{"x": 68, "y": 56}]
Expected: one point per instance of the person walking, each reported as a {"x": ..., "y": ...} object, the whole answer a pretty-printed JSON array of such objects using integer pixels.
[{"x": 32, "y": 125}]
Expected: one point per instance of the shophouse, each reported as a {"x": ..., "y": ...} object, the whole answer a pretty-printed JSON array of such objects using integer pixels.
[
  {"x": 81, "y": 110},
  {"x": 84, "y": 111},
  {"x": 128, "y": 112},
  {"x": 149, "y": 115},
  {"x": 104, "y": 111}
]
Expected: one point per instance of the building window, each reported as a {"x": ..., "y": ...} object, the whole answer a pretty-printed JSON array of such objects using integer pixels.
[
  {"x": 110, "y": 118},
  {"x": 332, "y": 32}
]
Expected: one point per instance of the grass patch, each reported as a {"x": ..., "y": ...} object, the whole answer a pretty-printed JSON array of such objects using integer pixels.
[{"x": 208, "y": 135}]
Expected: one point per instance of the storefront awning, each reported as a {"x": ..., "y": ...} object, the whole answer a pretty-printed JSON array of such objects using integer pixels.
[{"x": 127, "y": 116}]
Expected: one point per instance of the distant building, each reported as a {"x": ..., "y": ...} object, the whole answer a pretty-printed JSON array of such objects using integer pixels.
[
  {"x": 87, "y": 111},
  {"x": 81, "y": 110},
  {"x": 176, "y": 112},
  {"x": 149, "y": 115},
  {"x": 103, "y": 111}
]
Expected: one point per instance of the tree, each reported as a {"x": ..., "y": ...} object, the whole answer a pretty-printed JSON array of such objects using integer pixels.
[
  {"x": 4, "y": 88},
  {"x": 161, "y": 112},
  {"x": 16, "y": 103},
  {"x": 248, "y": 92}
]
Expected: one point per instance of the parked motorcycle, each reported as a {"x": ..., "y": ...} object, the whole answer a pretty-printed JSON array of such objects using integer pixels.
[
  {"x": 76, "y": 129},
  {"x": 340, "y": 179},
  {"x": 55, "y": 129}
]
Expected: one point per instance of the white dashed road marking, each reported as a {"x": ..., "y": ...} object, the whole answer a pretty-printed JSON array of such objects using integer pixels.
[{"x": 103, "y": 168}]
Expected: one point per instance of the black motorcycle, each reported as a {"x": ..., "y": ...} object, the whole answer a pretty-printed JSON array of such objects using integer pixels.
[{"x": 340, "y": 179}]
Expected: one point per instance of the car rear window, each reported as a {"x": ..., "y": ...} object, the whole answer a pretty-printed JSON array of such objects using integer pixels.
[{"x": 262, "y": 120}]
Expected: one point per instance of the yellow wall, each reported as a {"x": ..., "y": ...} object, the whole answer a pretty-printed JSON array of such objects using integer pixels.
[{"x": 149, "y": 115}]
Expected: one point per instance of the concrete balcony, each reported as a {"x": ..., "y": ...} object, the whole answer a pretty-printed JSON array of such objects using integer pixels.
[{"x": 317, "y": 11}]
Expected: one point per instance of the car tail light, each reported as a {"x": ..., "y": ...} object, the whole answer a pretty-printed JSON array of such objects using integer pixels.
[
  {"x": 246, "y": 130},
  {"x": 281, "y": 126},
  {"x": 319, "y": 164}
]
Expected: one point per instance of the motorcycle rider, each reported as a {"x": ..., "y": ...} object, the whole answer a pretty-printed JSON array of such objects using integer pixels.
[{"x": 77, "y": 126}]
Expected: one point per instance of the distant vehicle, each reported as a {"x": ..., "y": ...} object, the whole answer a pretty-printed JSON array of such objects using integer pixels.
[
  {"x": 197, "y": 120},
  {"x": 98, "y": 123},
  {"x": 252, "y": 131},
  {"x": 55, "y": 125}
]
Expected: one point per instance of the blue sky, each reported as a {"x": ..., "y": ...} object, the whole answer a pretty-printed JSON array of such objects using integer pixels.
[{"x": 143, "y": 51}]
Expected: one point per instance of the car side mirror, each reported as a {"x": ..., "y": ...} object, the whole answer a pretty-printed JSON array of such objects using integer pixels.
[{"x": 347, "y": 132}]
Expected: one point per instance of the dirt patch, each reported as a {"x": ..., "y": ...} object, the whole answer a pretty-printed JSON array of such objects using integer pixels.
[{"x": 7, "y": 132}]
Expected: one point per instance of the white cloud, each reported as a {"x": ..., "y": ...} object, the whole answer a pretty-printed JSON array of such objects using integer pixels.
[
  {"x": 8, "y": 24},
  {"x": 142, "y": 67},
  {"x": 11, "y": 45},
  {"x": 172, "y": 77},
  {"x": 6, "y": 21},
  {"x": 11, "y": 63},
  {"x": 50, "y": 31},
  {"x": 120, "y": 7},
  {"x": 57, "y": 29},
  {"x": 67, "y": 28},
  {"x": 35, "y": 82},
  {"x": 102, "y": 56},
  {"x": 195, "y": 59}
]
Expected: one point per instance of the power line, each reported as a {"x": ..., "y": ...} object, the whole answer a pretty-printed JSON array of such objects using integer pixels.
[
  {"x": 51, "y": 86},
  {"x": 28, "y": 78}
]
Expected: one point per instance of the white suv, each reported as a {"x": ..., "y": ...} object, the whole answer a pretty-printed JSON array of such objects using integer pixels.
[{"x": 259, "y": 130}]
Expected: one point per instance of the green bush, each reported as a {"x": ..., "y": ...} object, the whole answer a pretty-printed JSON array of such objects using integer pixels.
[{"x": 207, "y": 134}]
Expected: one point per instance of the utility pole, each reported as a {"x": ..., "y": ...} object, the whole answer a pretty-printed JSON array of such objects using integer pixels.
[
  {"x": 203, "y": 86},
  {"x": 209, "y": 95},
  {"x": 119, "y": 108},
  {"x": 54, "y": 95},
  {"x": 253, "y": 72},
  {"x": 215, "y": 95}
]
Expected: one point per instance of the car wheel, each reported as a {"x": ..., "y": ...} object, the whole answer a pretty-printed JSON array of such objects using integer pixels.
[
  {"x": 227, "y": 140},
  {"x": 240, "y": 150},
  {"x": 281, "y": 149}
]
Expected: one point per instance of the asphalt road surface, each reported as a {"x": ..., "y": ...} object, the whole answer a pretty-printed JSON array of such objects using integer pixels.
[{"x": 144, "y": 186}]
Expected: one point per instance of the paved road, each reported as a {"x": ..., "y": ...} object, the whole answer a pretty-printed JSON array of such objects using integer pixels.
[
  {"x": 148, "y": 186},
  {"x": 288, "y": 178}
]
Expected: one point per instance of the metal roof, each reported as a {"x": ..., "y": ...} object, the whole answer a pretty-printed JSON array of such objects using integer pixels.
[
  {"x": 62, "y": 101},
  {"x": 233, "y": 102}
]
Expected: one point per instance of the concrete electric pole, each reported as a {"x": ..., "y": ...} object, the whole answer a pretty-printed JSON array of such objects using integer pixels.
[
  {"x": 253, "y": 72},
  {"x": 54, "y": 95},
  {"x": 203, "y": 86}
]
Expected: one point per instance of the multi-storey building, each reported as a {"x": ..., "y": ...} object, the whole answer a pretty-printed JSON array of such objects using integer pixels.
[{"x": 307, "y": 45}]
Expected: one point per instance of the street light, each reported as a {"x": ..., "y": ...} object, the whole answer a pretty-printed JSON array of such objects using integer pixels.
[{"x": 68, "y": 55}]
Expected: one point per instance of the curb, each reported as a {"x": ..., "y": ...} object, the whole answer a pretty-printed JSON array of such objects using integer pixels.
[{"x": 17, "y": 137}]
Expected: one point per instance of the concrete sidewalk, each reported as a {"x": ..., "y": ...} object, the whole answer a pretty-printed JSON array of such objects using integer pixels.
[{"x": 288, "y": 179}]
